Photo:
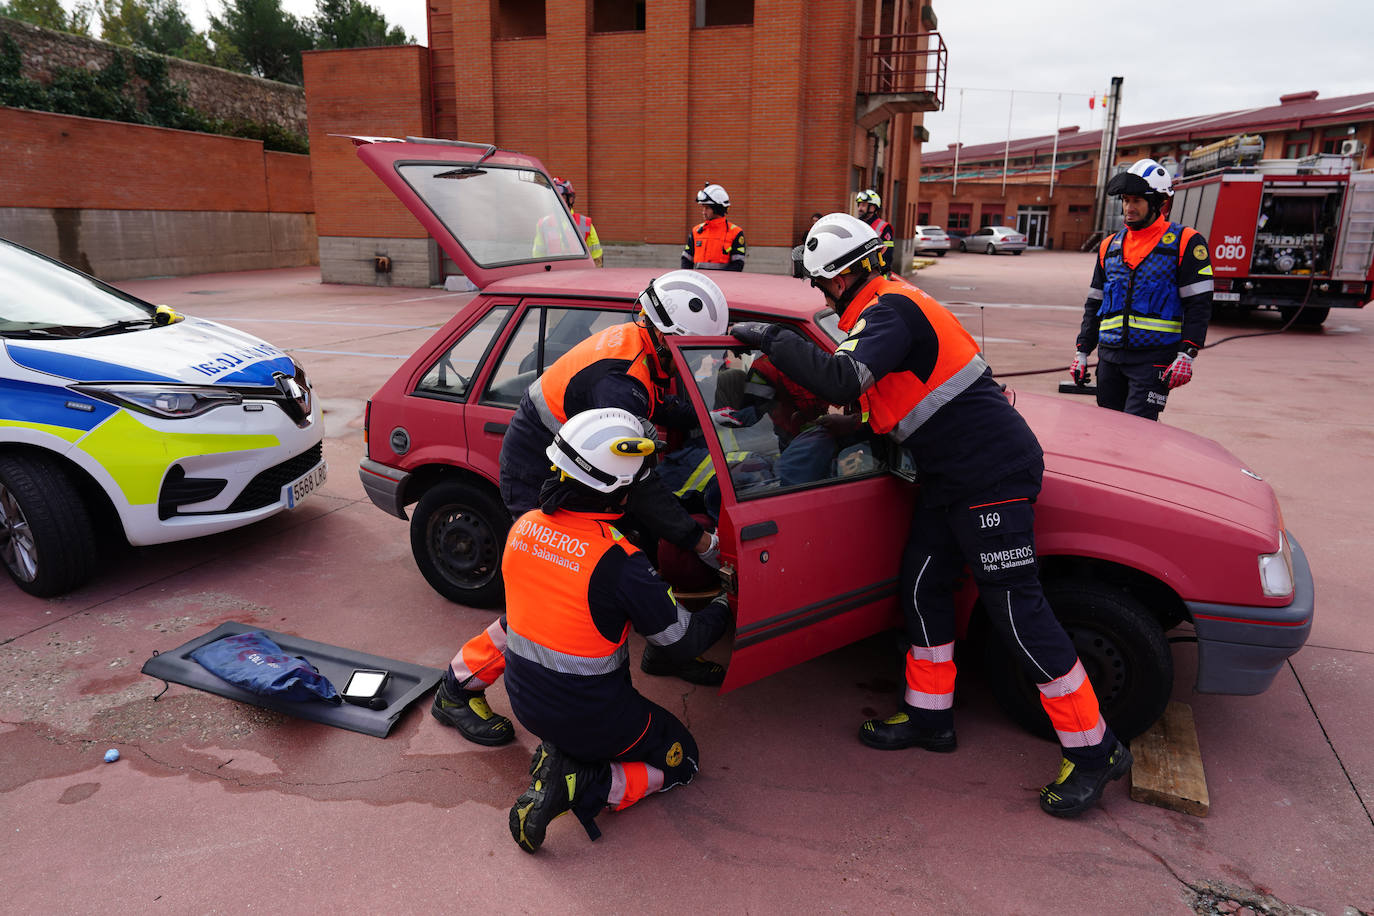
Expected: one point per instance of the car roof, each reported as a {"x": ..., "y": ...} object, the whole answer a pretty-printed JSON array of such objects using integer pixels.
[{"x": 775, "y": 295}]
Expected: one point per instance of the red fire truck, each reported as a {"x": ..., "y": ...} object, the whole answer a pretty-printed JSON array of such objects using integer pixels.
[{"x": 1292, "y": 234}]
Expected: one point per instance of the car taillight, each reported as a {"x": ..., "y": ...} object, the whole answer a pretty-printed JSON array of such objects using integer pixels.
[{"x": 367, "y": 417}]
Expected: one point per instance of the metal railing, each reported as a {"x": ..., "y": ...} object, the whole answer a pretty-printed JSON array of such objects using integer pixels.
[{"x": 901, "y": 63}]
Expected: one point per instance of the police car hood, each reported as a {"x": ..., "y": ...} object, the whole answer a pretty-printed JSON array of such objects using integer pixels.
[{"x": 192, "y": 351}]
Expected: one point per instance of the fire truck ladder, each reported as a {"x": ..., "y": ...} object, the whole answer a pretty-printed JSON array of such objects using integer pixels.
[{"x": 1357, "y": 235}]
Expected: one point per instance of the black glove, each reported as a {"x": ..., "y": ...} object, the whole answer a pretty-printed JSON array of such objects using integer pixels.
[{"x": 750, "y": 333}]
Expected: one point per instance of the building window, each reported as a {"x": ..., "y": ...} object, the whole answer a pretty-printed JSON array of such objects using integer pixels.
[
  {"x": 618, "y": 15},
  {"x": 724, "y": 12},
  {"x": 923, "y": 218},
  {"x": 990, "y": 218},
  {"x": 519, "y": 19},
  {"x": 1297, "y": 145},
  {"x": 960, "y": 216},
  {"x": 1333, "y": 137}
]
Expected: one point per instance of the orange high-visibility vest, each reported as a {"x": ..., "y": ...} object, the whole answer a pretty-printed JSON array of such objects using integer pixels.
[
  {"x": 625, "y": 344},
  {"x": 712, "y": 241}
]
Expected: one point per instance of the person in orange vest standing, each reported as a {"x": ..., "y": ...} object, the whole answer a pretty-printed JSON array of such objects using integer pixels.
[
  {"x": 575, "y": 587},
  {"x": 715, "y": 243},
  {"x": 548, "y": 237},
  {"x": 919, "y": 377},
  {"x": 870, "y": 207}
]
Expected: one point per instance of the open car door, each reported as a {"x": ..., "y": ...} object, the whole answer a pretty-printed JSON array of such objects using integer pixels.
[
  {"x": 494, "y": 212},
  {"x": 812, "y": 520}
]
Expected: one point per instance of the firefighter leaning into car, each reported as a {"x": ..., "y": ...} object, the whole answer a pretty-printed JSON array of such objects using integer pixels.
[
  {"x": 624, "y": 366},
  {"x": 1149, "y": 302},
  {"x": 918, "y": 377},
  {"x": 575, "y": 586},
  {"x": 715, "y": 243},
  {"x": 548, "y": 238},
  {"x": 870, "y": 208}
]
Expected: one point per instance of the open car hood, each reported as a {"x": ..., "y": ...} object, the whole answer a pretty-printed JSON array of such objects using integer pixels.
[{"x": 494, "y": 212}]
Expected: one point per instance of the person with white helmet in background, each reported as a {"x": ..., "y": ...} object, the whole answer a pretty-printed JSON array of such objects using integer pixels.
[
  {"x": 870, "y": 208},
  {"x": 575, "y": 586},
  {"x": 919, "y": 377},
  {"x": 715, "y": 243},
  {"x": 1149, "y": 302},
  {"x": 548, "y": 236},
  {"x": 627, "y": 366}
]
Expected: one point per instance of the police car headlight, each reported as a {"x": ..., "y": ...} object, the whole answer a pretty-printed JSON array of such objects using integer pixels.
[
  {"x": 175, "y": 402},
  {"x": 1276, "y": 570},
  {"x": 301, "y": 378}
]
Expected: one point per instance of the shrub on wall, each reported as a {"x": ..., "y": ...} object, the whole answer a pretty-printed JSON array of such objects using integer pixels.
[{"x": 113, "y": 94}]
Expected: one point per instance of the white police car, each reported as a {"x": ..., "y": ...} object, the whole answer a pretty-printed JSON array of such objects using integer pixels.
[{"x": 115, "y": 412}]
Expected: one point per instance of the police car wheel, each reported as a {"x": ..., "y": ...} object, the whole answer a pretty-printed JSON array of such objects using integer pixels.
[
  {"x": 47, "y": 542},
  {"x": 1121, "y": 645},
  {"x": 457, "y": 535}
]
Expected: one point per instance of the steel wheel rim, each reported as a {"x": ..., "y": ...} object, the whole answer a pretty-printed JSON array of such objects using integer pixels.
[
  {"x": 464, "y": 547},
  {"x": 1103, "y": 660},
  {"x": 17, "y": 548}
]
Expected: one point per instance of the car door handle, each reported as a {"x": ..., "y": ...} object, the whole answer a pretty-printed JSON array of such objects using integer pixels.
[
  {"x": 497, "y": 428},
  {"x": 758, "y": 530}
]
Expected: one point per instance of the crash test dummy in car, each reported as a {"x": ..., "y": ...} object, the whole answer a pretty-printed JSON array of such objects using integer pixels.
[
  {"x": 1149, "y": 302},
  {"x": 625, "y": 366},
  {"x": 575, "y": 587},
  {"x": 920, "y": 379}
]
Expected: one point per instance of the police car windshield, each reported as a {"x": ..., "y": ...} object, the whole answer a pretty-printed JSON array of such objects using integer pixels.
[
  {"x": 40, "y": 297},
  {"x": 500, "y": 215}
]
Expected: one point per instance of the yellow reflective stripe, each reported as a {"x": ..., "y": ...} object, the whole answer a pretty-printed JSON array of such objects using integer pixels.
[
  {"x": 136, "y": 456},
  {"x": 1154, "y": 324},
  {"x": 1110, "y": 323},
  {"x": 61, "y": 432},
  {"x": 699, "y": 478}
]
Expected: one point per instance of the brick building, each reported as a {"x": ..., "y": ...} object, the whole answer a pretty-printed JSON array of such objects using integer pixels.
[
  {"x": 791, "y": 106},
  {"x": 1046, "y": 186}
]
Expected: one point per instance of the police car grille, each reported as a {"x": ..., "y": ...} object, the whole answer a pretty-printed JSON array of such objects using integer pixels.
[{"x": 265, "y": 489}]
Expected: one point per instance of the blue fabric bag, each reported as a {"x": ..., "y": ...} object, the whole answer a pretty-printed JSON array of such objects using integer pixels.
[{"x": 254, "y": 662}]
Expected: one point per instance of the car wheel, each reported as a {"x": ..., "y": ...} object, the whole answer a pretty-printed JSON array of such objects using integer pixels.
[
  {"x": 990, "y": 249},
  {"x": 457, "y": 535},
  {"x": 46, "y": 539},
  {"x": 963, "y": 247},
  {"x": 1122, "y": 648},
  {"x": 1017, "y": 251},
  {"x": 939, "y": 254}
]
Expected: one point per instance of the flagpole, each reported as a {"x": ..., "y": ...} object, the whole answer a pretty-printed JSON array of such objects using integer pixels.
[
  {"x": 1006, "y": 150},
  {"x": 958, "y": 126},
  {"x": 1054, "y": 156}
]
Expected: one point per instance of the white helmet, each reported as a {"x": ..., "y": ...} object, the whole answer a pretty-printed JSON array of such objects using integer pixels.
[
  {"x": 869, "y": 197},
  {"x": 603, "y": 448},
  {"x": 837, "y": 242},
  {"x": 1143, "y": 178},
  {"x": 713, "y": 195},
  {"x": 686, "y": 302}
]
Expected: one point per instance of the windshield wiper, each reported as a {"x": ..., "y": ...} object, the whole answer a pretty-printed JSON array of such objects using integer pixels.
[
  {"x": 52, "y": 331},
  {"x": 119, "y": 327},
  {"x": 466, "y": 171}
]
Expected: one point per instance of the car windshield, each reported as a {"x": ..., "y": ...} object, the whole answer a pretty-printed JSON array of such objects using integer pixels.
[
  {"x": 40, "y": 297},
  {"x": 499, "y": 214}
]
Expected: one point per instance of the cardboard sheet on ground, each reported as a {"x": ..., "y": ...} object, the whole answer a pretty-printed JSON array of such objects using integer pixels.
[{"x": 408, "y": 682}]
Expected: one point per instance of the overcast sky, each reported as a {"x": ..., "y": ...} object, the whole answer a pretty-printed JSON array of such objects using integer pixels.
[{"x": 1177, "y": 59}]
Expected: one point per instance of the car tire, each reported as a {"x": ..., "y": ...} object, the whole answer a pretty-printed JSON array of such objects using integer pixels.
[
  {"x": 963, "y": 248},
  {"x": 990, "y": 249},
  {"x": 47, "y": 541},
  {"x": 1122, "y": 648},
  {"x": 1017, "y": 251},
  {"x": 457, "y": 535},
  {"x": 1309, "y": 316},
  {"x": 939, "y": 254}
]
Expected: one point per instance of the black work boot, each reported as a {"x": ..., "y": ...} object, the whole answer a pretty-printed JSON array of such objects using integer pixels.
[
  {"x": 467, "y": 711},
  {"x": 901, "y": 731},
  {"x": 558, "y": 784},
  {"x": 1077, "y": 789},
  {"x": 694, "y": 671}
]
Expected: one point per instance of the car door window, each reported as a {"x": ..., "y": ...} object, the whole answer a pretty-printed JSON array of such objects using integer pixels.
[
  {"x": 544, "y": 334},
  {"x": 451, "y": 374},
  {"x": 777, "y": 436}
]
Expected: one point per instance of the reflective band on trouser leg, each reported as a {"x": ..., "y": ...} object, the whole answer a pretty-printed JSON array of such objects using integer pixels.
[
  {"x": 930, "y": 677},
  {"x": 632, "y": 781},
  {"x": 1072, "y": 708},
  {"x": 482, "y": 660}
]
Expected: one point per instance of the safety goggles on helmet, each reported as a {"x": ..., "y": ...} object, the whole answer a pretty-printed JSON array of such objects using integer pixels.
[
  {"x": 713, "y": 195},
  {"x": 868, "y": 197},
  {"x": 1142, "y": 179}
]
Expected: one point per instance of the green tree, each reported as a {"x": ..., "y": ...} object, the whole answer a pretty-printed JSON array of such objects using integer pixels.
[
  {"x": 50, "y": 14},
  {"x": 269, "y": 38},
  {"x": 354, "y": 24},
  {"x": 157, "y": 25}
]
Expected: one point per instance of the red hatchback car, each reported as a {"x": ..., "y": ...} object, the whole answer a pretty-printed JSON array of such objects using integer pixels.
[{"x": 1194, "y": 542}]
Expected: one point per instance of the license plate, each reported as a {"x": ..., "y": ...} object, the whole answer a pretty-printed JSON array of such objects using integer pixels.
[
  {"x": 301, "y": 487},
  {"x": 1225, "y": 297}
]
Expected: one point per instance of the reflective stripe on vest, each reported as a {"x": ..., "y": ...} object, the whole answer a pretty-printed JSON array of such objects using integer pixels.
[
  {"x": 1142, "y": 307},
  {"x": 882, "y": 226},
  {"x": 624, "y": 342},
  {"x": 547, "y": 567},
  {"x": 712, "y": 241},
  {"x": 554, "y": 238},
  {"x": 899, "y": 402}
]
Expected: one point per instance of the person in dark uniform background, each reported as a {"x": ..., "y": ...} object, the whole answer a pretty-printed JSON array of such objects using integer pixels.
[
  {"x": 869, "y": 205},
  {"x": 715, "y": 243}
]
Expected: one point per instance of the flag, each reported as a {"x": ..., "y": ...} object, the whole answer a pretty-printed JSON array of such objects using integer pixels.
[{"x": 1092, "y": 101}]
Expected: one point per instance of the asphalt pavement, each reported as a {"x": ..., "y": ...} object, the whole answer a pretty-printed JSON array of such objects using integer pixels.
[{"x": 219, "y": 807}]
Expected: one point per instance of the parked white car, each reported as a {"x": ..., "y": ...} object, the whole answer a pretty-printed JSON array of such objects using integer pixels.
[
  {"x": 931, "y": 240},
  {"x": 992, "y": 239}
]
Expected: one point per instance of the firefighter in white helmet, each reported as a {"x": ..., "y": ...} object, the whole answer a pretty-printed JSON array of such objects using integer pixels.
[
  {"x": 870, "y": 209},
  {"x": 919, "y": 378},
  {"x": 1149, "y": 302},
  {"x": 715, "y": 243}
]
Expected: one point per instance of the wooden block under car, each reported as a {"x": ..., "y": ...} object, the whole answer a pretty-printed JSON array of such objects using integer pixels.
[{"x": 1168, "y": 764}]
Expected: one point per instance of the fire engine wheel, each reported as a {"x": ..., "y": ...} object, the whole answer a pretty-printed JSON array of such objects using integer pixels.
[
  {"x": 47, "y": 542},
  {"x": 457, "y": 535},
  {"x": 1308, "y": 317},
  {"x": 1122, "y": 648}
]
